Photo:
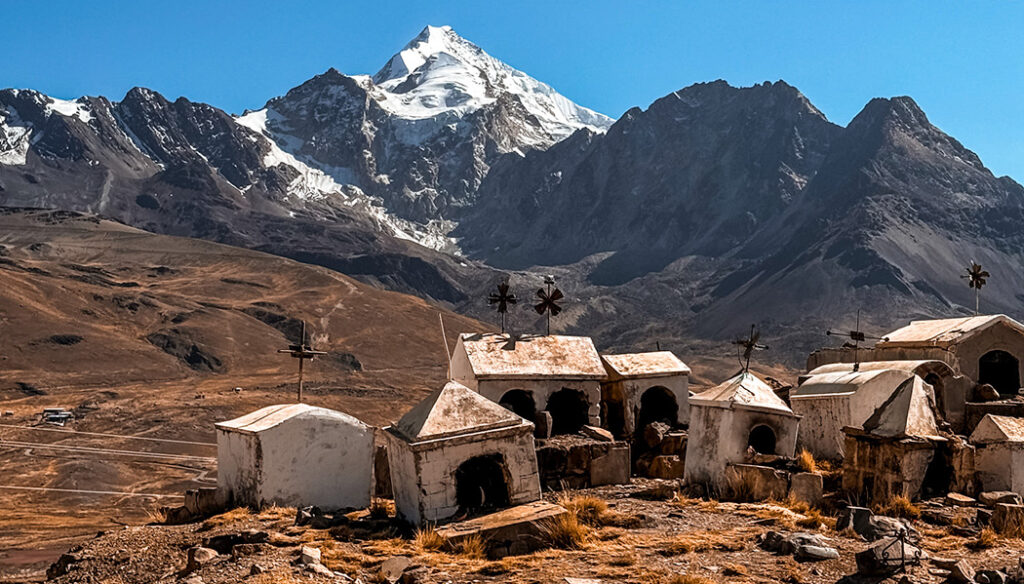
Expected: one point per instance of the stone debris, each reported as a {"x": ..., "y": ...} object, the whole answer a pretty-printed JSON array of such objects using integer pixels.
[
  {"x": 309, "y": 555},
  {"x": 887, "y": 556},
  {"x": 1007, "y": 517},
  {"x": 992, "y": 498},
  {"x": 804, "y": 546},
  {"x": 961, "y": 573},
  {"x": 807, "y": 487},
  {"x": 393, "y": 568},
  {"x": 198, "y": 557},
  {"x": 873, "y": 527},
  {"x": 958, "y": 500},
  {"x": 596, "y": 433}
]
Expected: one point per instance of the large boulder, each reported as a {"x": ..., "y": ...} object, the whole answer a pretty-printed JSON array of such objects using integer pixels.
[
  {"x": 993, "y": 498},
  {"x": 874, "y": 527},
  {"x": 198, "y": 557}
]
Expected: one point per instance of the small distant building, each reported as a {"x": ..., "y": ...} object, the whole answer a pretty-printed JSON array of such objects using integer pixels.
[
  {"x": 641, "y": 388},
  {"x": 458, "y": 453},
  {"x": 295, "y": 455},
  {"x": 999, "y": 454},
  {"x": 726, "y": 421},
  {"x": 558, "y": 374},
  {"x": 894, "y": 452},
  {"x": 986, "y": 348},
  {"x": 835, "y": 396}
]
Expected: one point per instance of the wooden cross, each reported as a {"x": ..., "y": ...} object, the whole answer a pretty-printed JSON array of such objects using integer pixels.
[
  {"x": 750, "y": 344},
  {"x": 857, "y": 336},
  {"x": 302, "y": 352}
]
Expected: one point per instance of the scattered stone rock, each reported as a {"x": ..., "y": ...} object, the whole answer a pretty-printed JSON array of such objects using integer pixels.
[
  {"x": 992, "y": 498},
  {"x": 318, "y": 568},
  {"x": 986, "y": 393},
  {"x": 887, "y": 556},
  {"x": 257, "y": 569},
  {"x": 814, "y": 553},
  {"x": 596, "y": 433},
  {"x": 225, "y": 542},
  {"x": 392, "y": 569},
  {"x": 249, "y": 549},
  {"x": 198, "y": 557},
  {"x": 958, "y": 500},
  {"x": 873, "y": 527},
  {"x": 661, "y": 491},
  {"x": 1007, "y": 517},
  {"x": 309, "y": 555},
  {"x": 654, "y": 433},
  {"x": 984, "y": 517},
  {"x": 666, "y": 466},
  {"x": 961, "y": 573},
  {"x": 781, "y": 544},
  {"x": 943, "y": 563},
  {"x": 417, "y": 575}
]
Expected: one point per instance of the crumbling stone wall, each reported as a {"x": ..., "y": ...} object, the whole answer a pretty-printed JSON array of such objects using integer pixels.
[{"x": 875, "y": 468}]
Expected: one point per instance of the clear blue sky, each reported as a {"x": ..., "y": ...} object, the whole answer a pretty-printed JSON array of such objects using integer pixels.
[{"x": 962, "y": 61}]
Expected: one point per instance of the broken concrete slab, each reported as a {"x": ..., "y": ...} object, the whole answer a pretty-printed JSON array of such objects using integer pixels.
[
  {"x": 610, "y": 469},
  {"x": 513, "y": 531},
  {"x": 1007, "y": 518},
  {"x": 596, "y": 433},
  {"x": 309, "y": 555},
  {"x": 958, "y": 500},
  {"x": 814, "y": 553},
  {"x": 807, "y": 487},
  {"x": 961, "y": 573},
  {"x": 757, "y": 483},
  {"x": 992, "y": 498}
]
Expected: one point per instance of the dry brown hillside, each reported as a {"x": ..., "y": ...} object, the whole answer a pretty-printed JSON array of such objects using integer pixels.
[{"x": 148, "y": 335}]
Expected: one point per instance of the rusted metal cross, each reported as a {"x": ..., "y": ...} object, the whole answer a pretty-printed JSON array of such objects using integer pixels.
[{"x": 302, "y": 352}]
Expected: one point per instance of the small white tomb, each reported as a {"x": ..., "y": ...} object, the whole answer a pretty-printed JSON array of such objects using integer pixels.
[
  {"x": 999, "y": 458},
  {"x": 296, "y": 455},
  {"x": 458, "y": 453}
]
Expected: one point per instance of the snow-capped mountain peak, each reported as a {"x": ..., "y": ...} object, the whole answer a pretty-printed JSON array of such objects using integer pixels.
[{"x": 440, "y": 72}]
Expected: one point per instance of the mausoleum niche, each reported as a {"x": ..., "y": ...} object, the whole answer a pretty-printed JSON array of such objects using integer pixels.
[
  {"x": 521, "y": 402},
  {"x": 569, "y": 411},
  {"x": 481, "y": 484},
  {"x": 1001, "y": 370},
  {"x": 762, "y": 439}
]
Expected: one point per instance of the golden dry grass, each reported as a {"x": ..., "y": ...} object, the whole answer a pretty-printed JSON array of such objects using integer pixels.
[
  {"x": 986, "y": 539},
  {"x": 805, "y": 462},
  {"x": 232, "y": 516},
  {"x": 428, "y": 540},
  {"x": 587, "y": 508},
  {"x": 567, "y": 532},
  {"x": 899, "y": 506},
  {"x": 473, "y": 547},
  {"x": 735, "y": 570},
  {"x": 699, "y": 542},
  {"x": 814, "y": 519}
]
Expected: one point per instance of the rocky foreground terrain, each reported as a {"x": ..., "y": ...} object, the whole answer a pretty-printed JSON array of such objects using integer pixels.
[{"x": 641, "y": 533}]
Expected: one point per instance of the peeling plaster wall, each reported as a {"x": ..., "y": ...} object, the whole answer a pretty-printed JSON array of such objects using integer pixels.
[
  {"x": 1000, "y": 467},
  {"x": 541, "y": 390},
  {"x": 718, "y": 437},
  {"x": 629, "y": 391},
  {"x": 238, "y": 466},
  {"x": 821, "y": 428},
  {"x": 423, "y": 475}
]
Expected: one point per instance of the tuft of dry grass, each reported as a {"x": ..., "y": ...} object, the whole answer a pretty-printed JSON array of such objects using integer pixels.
[
  {"x": 567, "y": 532},
  {"x": 589, "y": 509},
  {"x": 813, "y": 519},
  {"x": 986, "y": 539},
  {"x": 473, "y": 547},
  {"x": 805, "y": 462},
  {"x": 1012, "y": 527},
  {"x": 700, "y": 542},
  {"x": 232, "y": 516},
  {"x": 899, "y": 506},
  {"x": 381, "y": 508},
  {"x": 428, "y": 540},
  {"x": 156, "y": 516}
]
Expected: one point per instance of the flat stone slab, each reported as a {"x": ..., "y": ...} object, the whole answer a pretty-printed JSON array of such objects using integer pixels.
[{"x": 513, "y": 531}]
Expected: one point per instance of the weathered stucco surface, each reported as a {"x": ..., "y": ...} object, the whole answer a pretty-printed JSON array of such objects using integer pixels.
[{"x": 296, "y": 455}]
